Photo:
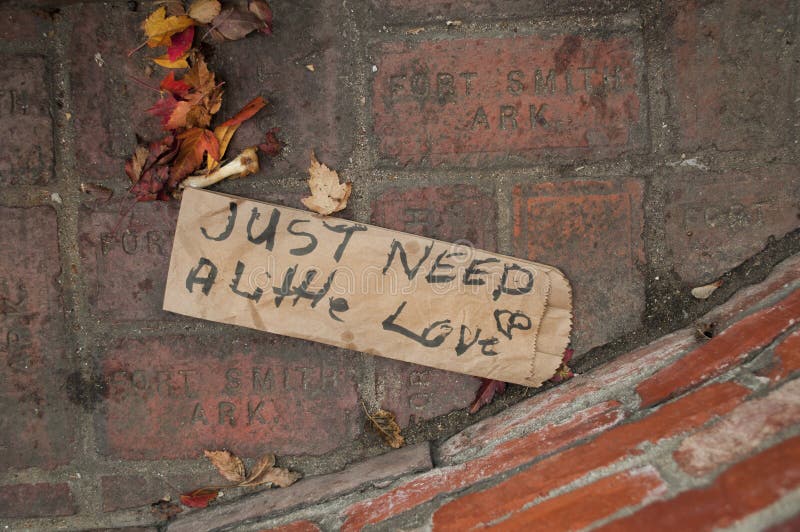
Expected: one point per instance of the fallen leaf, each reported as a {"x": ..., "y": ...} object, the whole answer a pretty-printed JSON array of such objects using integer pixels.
[
  {"x": 180, "y": 44},
  {"x": 234, "y": 24},
  {"x": 199, "y": 498},
  {"x": 204, "y": 11},
  {"x": 224, "y": 132},
  {"x": 272, "y": 146},
  {"x": 327, "y": 194},
  {"x": 310, "y": 67},
  {"x": 263, "y": 12},
  {"x": 165, "y": 510},
  {"x": 385, "y": 424},
  {"x": 488, "y": 389},
  {"x": 705, "y": 291},
  {"x": 194, "y": 143},
  {"x": 704, "y": 331},
  {"x": 276, "y": 476},
  {"x": 259, "y": 468},
  {"x": 228, "y": 464},
  {"x": 135, "y": 165},
  {"x": 564, "y": 372},
  {"x": 415, "y": 31},
  {"x": 159, "y": 28},
  {"x": 166, "y": 62},
  {"x": 176, "y": 87}
]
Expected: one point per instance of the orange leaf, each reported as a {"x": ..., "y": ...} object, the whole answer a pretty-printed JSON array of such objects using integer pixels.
[
  {"x": 224, "y": 132},
  {"x": 194, "y": 143},
  {"x": 199, "y": 498},
  {"x": 159, "y": 28}
]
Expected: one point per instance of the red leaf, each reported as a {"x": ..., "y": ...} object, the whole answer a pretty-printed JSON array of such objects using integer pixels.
[
  {"x": 194, "y": 143},
  {"x": 254, "y": 106},
  {"x": 564, "y": 372},
  {"x": 199, "y": 498},
  {"x": 272, "y": 146},
  {"x": 176, "y": 87},
  {"x": 262, "y": 10},
  {"x": 486, "y": 393},
  {"x": 163, "y": 109},
  {"x": 180, "y": 43}
]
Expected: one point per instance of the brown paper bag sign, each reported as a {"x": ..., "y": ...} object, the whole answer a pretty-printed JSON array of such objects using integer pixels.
[{"x": 368, "y": 289}]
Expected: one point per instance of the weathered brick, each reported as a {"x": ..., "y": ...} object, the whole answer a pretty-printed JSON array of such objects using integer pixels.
[
  {"x": 685, "y": 414},
  {"x": 129, "y": 491},
  {"x": 375, "y": 470},
  {"x": 297, "y": 526},
  {"x": 740, "y": 431},
  {"x": 469, "y": 102},
  {"x": 623, "y": 371},
  {"x": 172, "y": 397},
  {"x": 786, "y": 358},
  {"x": 127, "y": 269},
  {"x": 425, "y": 11},
  {"x": 36, "y": 500},
  {"x": 23, "y": 24},
  {"x": 745, "y": 488},
  {"x": 36, "y": 428},
  {"x": 596, "y": 501},
  {"x": 790, "y": 525},
  {"x": 427, "y": 486},
  {"x": 724, "y": 350},
  {"x": 445, "y": 213},
  {"x": 731, "y": 60},
  {"x": 713, "y": 223},
  {"x": 307, "y": 106},
  {"x": 108, "y": 105},
  {"x": 27, "y": 130},
  {"x": 592, "y": 231}
]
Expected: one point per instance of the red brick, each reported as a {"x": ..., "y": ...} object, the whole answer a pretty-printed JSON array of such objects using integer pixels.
[
  {"x": 36, "y": 500},
  {"x": 308, "y": 107},
  {"x": 36, "y": 428},
  {"x": 26, "y": 127},
  {"x": 790, "y": 525},
  {"x": 786, "y": 358},
  {"x": 443, "y": 213},
  {"x": 108, "y": 105},
  {"x": 727, "y": 85},
  {"x": 130, "y": 491},
  {"x": 127, "y": 270},
  {"x": 713, "y": 223},
  {"x": 418, "y": 119},
  {"x": 23, "y": 24},
  {"x": 741, "y": 431},
  {"x": 415, "y": 393},
  {"x": 721, "y": 352},
  {"x": 512, "y": 454},
  {"x": 592, "y": 231},
  {"x": 685, "y": 414},
  {"x": 297, "y": 526},
  {"x": 745, "y": 488},
  {"x": 172, "y": 397},
  {"x": 486, "y": 434},
  {"x": 459, "y": 213},
  {"x": 596, "y": 501}
]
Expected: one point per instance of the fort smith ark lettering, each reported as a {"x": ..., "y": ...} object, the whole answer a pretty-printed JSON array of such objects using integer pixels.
[{"x": 367, "y": 289}]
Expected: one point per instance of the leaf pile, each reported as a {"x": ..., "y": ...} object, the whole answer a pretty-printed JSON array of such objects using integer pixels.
[
  {"x": 232, "y": 468},
  {"x": 385, "y": 424},
  {"x": 188, "y": 103}
]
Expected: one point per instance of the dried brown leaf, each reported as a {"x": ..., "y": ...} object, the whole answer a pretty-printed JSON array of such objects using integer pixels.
[
  {"x": 204, "y": 11},
  {"x": 259, "y": 468},
  {"x": 327, "y": 194},
  {"x": 228, "y": 464},
  {"x": 276, "y": 476},
  {"x": 135, "y": 165},
  {"x": 385, "y": 424}
]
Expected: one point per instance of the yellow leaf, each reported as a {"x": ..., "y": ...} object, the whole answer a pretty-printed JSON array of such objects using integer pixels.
[
  {"x": 385, "y": 424},
  {"x": 204, "y": 11},
  {"x": 228, "y": 464},
  {"x": 159, "y": 28},
  {"x": 327, "y": 194},
  {"x": 165, "y": 61}
]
